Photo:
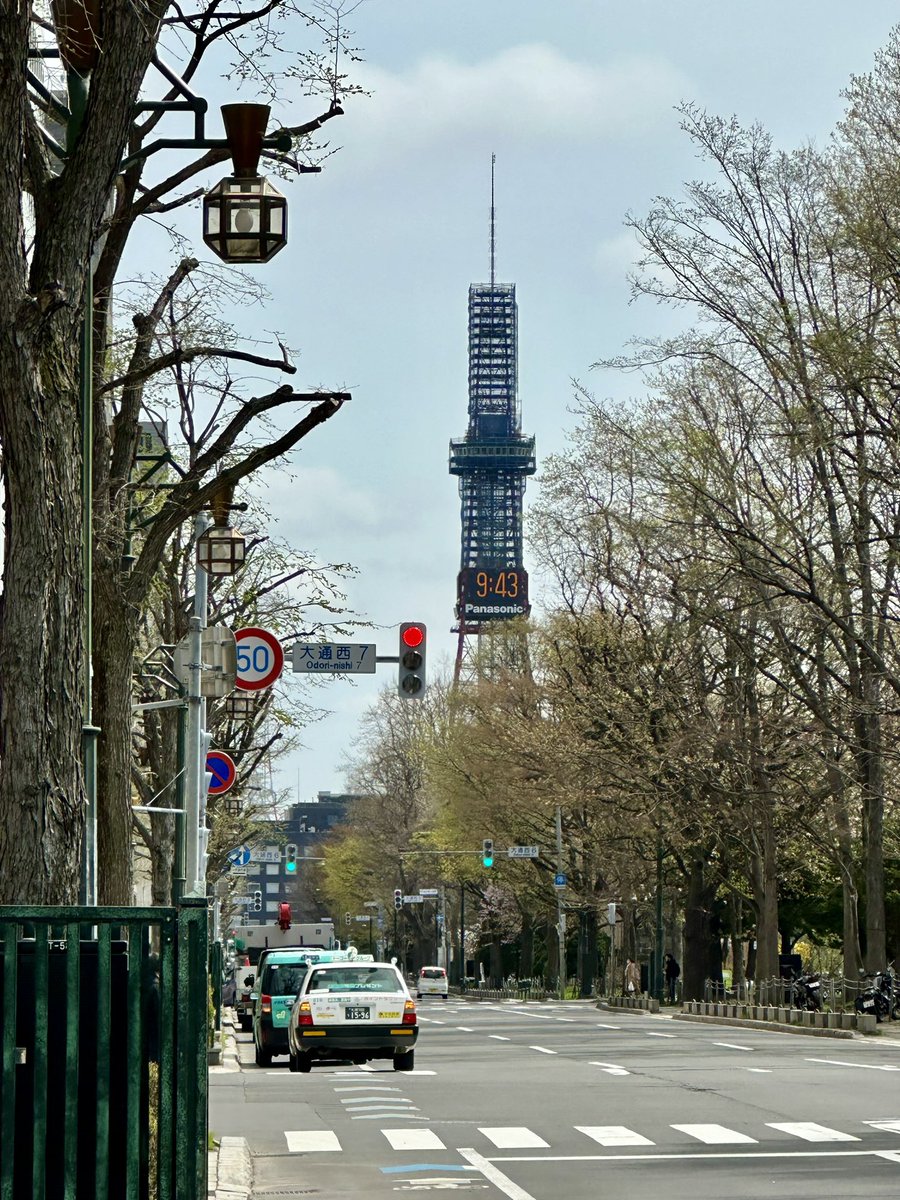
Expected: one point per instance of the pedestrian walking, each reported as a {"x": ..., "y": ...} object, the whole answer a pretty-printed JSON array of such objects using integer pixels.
[
  {"x": 632, "y": 978},
  {"x": 671, "y": 970}
]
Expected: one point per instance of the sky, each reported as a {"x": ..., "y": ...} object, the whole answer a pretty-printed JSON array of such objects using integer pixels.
[{"x": 577, "y": 100}]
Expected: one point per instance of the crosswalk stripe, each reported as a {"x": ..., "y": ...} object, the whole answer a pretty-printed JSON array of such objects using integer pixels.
[
  {"x": 714, "y": 1135},
  {"x": 513, "y": 1137},
  {"x": 614, "y": 1135},
  {"x": 413, "y": 1139},
  {"x": 304, "y": 1141},
  {"x": 809, "y": 1131}
]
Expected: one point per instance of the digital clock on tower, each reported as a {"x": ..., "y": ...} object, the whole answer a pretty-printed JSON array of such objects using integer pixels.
[{"x": 494, "y": 592}]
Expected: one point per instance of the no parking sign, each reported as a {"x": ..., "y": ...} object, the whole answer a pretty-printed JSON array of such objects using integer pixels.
[{"x": 222, "y": 772}]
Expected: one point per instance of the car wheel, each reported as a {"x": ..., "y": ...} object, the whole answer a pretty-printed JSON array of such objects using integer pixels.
[
  {"x": 405, "y": 1061},
  {"x": 263, "y": 1057},
  {"x": 293, "y": 1061},
  {"x": 246, "y": 1023},
  {"x": 304, "y": 1063}
]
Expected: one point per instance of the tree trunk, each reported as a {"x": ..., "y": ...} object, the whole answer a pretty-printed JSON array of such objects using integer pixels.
[
  {"x": 526, "y": 956},
  {"x": 871, "y": 773},
  {"x": 115, "y": 636},
  {"x": 698, "y": 935},
  {"x": 41, "y": 637}
]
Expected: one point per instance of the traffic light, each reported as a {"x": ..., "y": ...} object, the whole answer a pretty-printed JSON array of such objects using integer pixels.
[
  {"x": 398, "y": 898},
  {"x": 610, "y": 914},
  {"x": 347, "y": 918},
  {"x": 284, "y": 917},
  {"x": 487, "y": 852},
  {"x": 290, "y": 858},
  {"x": 257, "y": 901},
  {"x": 411, "y": 677}
]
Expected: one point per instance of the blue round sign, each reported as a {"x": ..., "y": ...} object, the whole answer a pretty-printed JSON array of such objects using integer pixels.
[
  {"x": 559, "y": 881},
  {"x": 239, "y": 856},
  {"x": 222, "y": 772}
]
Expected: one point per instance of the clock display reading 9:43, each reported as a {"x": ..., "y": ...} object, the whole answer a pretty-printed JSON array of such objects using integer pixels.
[{"x": 487, "y": 592}]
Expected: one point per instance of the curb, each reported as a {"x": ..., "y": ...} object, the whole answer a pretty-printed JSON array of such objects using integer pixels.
[
  {"x": 778, "y": 1026},
  {"x": 230, "y": 1170}
]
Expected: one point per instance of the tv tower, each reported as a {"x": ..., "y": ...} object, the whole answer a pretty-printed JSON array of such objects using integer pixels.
[{"x": 492, "y": 462}]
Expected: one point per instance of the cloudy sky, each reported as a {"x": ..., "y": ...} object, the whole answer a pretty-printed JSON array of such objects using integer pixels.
[{"x": 577, "y": 101}]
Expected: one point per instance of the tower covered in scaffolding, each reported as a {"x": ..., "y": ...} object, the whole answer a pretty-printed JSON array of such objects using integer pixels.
[{"x": 491, "y": 463}]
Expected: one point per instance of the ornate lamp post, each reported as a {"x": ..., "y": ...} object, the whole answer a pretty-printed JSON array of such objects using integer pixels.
[{"x": 244, "y": 215}]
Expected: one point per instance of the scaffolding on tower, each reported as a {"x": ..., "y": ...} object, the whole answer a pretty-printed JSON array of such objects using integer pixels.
[{"x": 491, "y": 462}]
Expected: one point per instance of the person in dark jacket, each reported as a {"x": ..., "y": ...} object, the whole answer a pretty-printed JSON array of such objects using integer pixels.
[{"x": 671, "y": 971}]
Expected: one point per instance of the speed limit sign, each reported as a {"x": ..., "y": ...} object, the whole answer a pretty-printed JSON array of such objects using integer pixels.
[{"x": 260, "y": 659}]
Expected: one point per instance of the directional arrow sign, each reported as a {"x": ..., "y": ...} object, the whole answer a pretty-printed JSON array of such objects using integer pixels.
[
  {"x": 221, "y": 767},
  {"x": 239, "y": 856}
]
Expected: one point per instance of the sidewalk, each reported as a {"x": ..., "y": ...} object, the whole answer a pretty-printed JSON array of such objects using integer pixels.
[{"x": 230, "y": 1169}]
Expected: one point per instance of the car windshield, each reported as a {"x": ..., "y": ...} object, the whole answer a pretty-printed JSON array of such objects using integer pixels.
[
  {"x": 282, "y": 979},
  {"x": 353, "y": 979},
  {"x": 432, "y": 973}
]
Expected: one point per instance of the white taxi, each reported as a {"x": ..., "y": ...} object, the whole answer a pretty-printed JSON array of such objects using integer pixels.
[{"x": 353, "y": 1010}]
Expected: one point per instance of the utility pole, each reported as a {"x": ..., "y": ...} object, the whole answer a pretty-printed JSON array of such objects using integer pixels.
[
  {"x": 560, "y": 911},
  {"x": 462, "y": 937}
]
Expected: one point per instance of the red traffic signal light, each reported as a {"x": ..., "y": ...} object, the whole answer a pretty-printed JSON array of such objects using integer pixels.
[{"x": 411, "y": 678}]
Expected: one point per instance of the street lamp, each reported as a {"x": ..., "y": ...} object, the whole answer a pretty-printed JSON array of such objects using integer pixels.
[
  {"x": 221, "y": 549},
  {"x": 244, "y": 215}
]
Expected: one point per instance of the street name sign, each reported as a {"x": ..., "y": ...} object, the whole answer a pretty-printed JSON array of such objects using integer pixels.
[
  {"x": 523, "y": 852},
  {"x": 429, "y": 892},
  {"x": 413, "y": 899},
  {"x": 315, "y": 658},
  {"x": 266, "y": 856},
  {"x": 238, "y": 871}
]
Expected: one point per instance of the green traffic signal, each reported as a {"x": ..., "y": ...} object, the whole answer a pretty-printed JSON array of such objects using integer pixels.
[
  {"x": 290, "y": 859},
  {"x": 487, "y": 852}
]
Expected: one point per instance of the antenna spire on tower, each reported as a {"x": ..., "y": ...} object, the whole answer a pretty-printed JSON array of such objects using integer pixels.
[{"x": 493, "y": 223}]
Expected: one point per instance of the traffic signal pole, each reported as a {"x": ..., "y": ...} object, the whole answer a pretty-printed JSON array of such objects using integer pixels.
[{"x": 195, "y": 772}]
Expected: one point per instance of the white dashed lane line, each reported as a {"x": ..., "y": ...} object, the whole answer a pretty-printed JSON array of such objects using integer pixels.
[
  {"x": 498, "y": 1037},
  {"x": 732, "y": 1046},
  {"x": 542, "y": 1049},
  {"x": 666, "y": 1035}
]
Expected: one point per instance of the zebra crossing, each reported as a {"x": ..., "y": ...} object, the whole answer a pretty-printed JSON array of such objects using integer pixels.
[{"x": 520, "y": 1137}]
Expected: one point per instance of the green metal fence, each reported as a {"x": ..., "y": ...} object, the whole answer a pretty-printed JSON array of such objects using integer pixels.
[{"x": 103, "y": 1039}]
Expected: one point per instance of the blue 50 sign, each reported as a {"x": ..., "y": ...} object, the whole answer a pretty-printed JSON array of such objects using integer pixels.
[{"x": 260, "y": 658}]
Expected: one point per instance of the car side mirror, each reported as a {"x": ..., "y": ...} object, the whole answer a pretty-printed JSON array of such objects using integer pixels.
[{"x": 254, "y": 995}]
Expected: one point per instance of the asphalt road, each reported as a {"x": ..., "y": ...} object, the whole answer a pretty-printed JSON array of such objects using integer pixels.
[{"x": 542, "y": 1101}]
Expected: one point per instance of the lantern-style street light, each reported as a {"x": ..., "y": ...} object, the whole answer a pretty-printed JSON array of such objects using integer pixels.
[
  {"x": 244, "y": 215},
  {"x": 221, "y": 549}
]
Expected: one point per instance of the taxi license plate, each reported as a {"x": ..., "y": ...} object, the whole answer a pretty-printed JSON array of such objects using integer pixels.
[{"x": 357, "y": 1014}]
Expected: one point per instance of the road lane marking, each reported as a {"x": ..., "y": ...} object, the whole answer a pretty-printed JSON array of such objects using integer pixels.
[
  {"x": 836, "y": 1062},
  {"x": 513, "y": 1137},
  {"x": 465, "y": 1029},
  {"x": 702, "y": 1156},
  {"x": 888, "y": 1125},
  {"x": 388, "y": 1115},
  {"x": 498, "y": 1037},
  {"x": 759, "y": 1070},
  {"x": 714, "y": 1135},
  {"x": 366, "y": 1087},
  {"x": 434, "y": 1021},
  {"x": 571, "y": 1020},
  {"x": 732, "y": 1046},
  {"x": 614, "y": 1135},
  {"x": 375, "y": 1100},
  {"x": 600, "y": 1025},
  {"x": 495, "y": 1176},
  {"x": 305, "y": 1141},
  {"x": 413, "y": 1139},
  {"x": 890, "y": 1155},
  {"x": 610, "y": 1068},
  {"x": 542, "y": 1049},
  {"x": 809, "y": 1131},
  {"x": 668, "y": 1035}
]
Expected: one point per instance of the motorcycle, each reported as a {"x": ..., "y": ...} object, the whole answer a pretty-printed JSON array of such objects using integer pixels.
[
  {"x": 806, "y": 992},
  {"x": 879, "y": 997}
]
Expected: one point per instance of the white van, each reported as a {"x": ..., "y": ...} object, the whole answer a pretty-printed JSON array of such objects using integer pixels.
[{"x": 432, "y": 981}]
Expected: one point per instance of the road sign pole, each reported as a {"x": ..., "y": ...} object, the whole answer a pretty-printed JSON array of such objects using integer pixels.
[{"x": 195, "y": 756}]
